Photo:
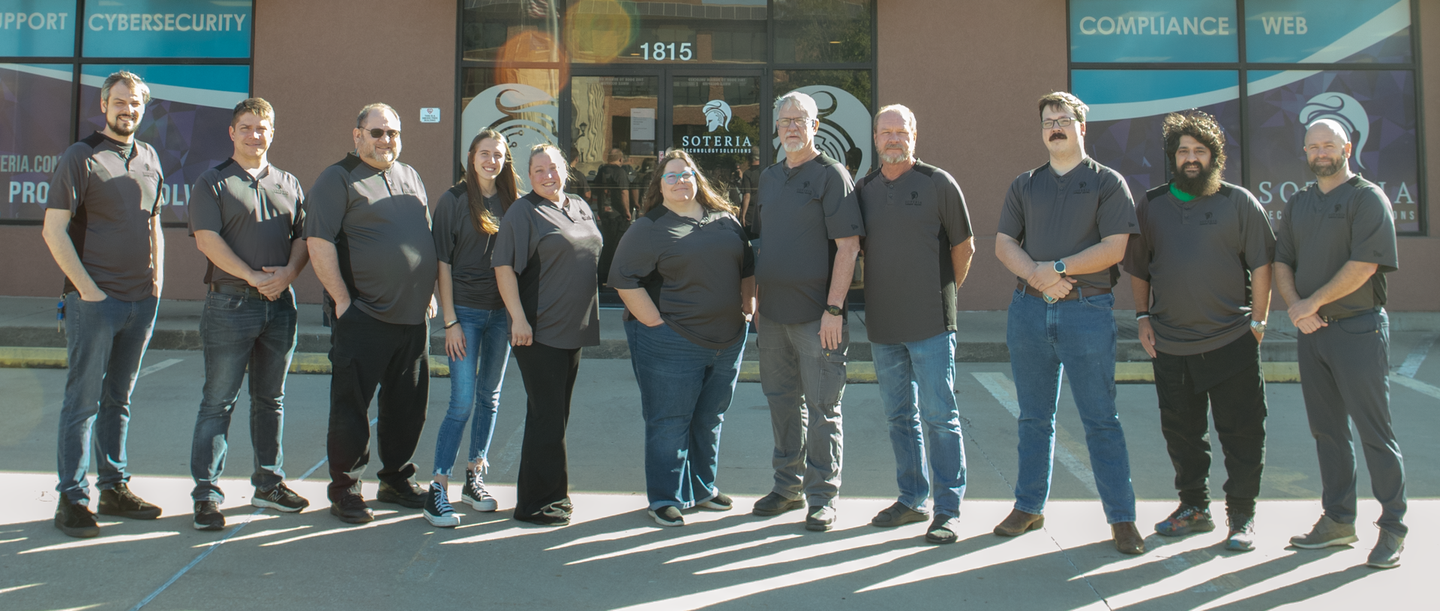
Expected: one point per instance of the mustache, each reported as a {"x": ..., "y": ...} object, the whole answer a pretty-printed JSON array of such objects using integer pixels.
[{"x": 1058, "y": 136}]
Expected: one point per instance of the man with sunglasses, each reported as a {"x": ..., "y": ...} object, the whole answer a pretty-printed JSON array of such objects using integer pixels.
[
  {"x": 812, "y": 236},
  {"x": 368, "y": 231},
  {"x": 1063, "y": 229}
]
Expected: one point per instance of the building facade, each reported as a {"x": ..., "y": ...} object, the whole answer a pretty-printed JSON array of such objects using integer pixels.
[{"x": 641, "y": 76}]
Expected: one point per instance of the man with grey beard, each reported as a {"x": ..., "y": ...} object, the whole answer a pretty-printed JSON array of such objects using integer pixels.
[{"x": 1336, "y": 242}]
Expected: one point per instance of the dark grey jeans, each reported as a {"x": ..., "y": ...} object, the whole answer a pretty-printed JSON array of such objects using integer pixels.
[{"x": 803, "y": 383}]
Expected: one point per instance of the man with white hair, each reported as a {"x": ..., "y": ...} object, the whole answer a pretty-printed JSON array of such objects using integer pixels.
[
  {"x": 1335, "y": 243},
  {"x": 918, "y": 245},
  {"x": 804, "y": 272}
]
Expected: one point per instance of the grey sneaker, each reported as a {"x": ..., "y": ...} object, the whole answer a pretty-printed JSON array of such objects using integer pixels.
[
  {"x": 1242, "y": 534},
  {"x": 668, "y": 515},
  {"x": 1386, "y": 554},
  {"x": 1326, "y": 533},
  {"x": 279, "y": 498},
  {"x": 820, "y": 518}
]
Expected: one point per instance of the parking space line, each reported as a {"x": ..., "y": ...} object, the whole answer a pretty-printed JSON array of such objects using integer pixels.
[
  {"x": 1003, "y": 390},
  {"x": 1417, "y": 356}
]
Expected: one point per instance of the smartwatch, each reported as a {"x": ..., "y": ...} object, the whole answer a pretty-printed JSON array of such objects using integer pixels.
[
  {"x": 834, "y": 310},
  {"x": 1060, "y": 268}
]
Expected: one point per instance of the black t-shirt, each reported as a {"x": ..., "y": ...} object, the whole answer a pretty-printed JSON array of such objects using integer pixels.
[
  {"x": 467, "y": 251},
  {"x": 554, "y": 250},
  {"x": 610, "y": 182}
]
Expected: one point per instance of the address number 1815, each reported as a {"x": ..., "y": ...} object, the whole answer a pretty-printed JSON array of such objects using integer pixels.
[{"x": 660, "y": 51}]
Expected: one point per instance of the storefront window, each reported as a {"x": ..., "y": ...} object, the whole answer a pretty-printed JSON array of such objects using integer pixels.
[
  {"x": 824, "y": 31},
  {"x": 34, "y": 130},
  {"x": 521, "y": 104},
  {"x": 510, "y": 30},
  {"x": 666, "y": 32},
  {"x": 843, "y": 97}
]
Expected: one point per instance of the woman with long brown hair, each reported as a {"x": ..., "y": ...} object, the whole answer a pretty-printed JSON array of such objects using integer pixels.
[
  {"x": 477, "y": 328},
  {"x": 687, "y": 276}
]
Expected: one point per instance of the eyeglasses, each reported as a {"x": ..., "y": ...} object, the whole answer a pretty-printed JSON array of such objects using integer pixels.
[
  {"x": 1049, "y": 124},
  {"x": 675, "y": 177},
  {"x": 787, "y": 122},
  {"x": 377, "y": 133}
]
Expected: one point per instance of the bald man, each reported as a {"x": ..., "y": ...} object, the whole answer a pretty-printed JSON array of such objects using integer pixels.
[{"x": 1335, "y": 243}]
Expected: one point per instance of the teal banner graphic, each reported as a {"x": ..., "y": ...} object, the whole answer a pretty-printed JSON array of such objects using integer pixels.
[
  {"x": 168, "y": 28},
  {"x": 37, "y": 28},
  {"x": 1327, "y": 31},
  {"x": 1146, "y": 31}
]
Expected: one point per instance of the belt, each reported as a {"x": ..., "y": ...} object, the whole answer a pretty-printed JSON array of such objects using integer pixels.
[
  {"x": 230, "y": 289},
  {"x": 1330, "y": 319},
  {"x": 1084, "y": 291}
]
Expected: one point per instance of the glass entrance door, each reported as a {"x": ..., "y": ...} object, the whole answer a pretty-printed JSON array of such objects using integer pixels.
[{"x": 717, "y": 119}]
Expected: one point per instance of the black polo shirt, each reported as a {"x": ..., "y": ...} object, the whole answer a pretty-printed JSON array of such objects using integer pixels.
[
  {"x": 911, "y": 223},
  {"x": 1320, "y": 232},
  {"x": 1197, "y": 257},
  {"x": 466, "y": 251},
  {"x": 805, "y": 211},
  {"x": 380, "y": 225},
  {"x": 112, "y": 191},
  {"x": 1055, "y": 216},
  {"x": 259, "y": 218},
  {"x": 555, "y": 251}
]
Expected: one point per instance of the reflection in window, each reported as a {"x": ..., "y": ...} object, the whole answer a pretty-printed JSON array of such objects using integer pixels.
[
  {"x": 510, "y": 30},
  {"x": 642, "y": 31},
  {"x": 823, "y": 31},
  {"x": 843, "y": 97},
  {"x": 521, "y": 104}
]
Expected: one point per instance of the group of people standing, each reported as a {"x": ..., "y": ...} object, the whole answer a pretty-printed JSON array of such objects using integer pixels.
[{"x": 514, "y": 274}]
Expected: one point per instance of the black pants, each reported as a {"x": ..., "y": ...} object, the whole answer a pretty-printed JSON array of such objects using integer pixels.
[
  {"x": 543, "y": 486},
  {"x": 1227, "y": 379},
  {"x": 364, "y": 353}
]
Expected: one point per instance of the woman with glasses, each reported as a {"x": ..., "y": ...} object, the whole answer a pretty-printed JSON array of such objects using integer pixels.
[
  {"x": 477, "y": 329},
  {"x": 686, "y": 274},
  {"x": 545, "y": 261}
]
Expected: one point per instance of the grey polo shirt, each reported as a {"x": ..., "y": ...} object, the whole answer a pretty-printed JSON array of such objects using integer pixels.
[
  {"x": 259, "y": 218},
  {"x": 380, "y": 225},
  {"x": 911, "y": 223},
  {"x": 555, "y": 251},
  {"x": 1055, "y": 216},
  {"x": 112, "y": 191},
  {"x": 691, "y": 269},
  {"x": 467, "y": 251},
  {"x": 805, "y": 211},
  {"x": 1197, "y": 257},
  {"x": 1320, "y": 232}
]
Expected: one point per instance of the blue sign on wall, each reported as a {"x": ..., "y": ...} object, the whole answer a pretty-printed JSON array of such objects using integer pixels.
[
  {"x": 37, "y": 28},
  {"x": 1326, "y": 32},
  {"x": 1148, "y": 31},
  {"x": 167, "y": 28}
]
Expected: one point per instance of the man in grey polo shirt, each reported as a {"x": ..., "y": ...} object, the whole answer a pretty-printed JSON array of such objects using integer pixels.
[
  {"x": 368, "y": 230},
  {"x": 918, "y": 245},
  {"x": 1063, "y": 228},
  {"x": 1201, "y": 268},
  {"x": 246, "y": 217},
  {"x": 813, "y": 233},
  {"x": 1336, "y": 242},
  {"x": 102, "y": 225}
]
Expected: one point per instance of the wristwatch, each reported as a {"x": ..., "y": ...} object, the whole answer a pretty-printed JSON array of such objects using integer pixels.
[
  {"x": 1060, "y": 268},
  {"x": 834, "y": 310},
  {"x": 1257, "y": 325}
]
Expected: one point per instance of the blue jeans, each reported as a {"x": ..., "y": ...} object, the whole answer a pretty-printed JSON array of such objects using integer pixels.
[
  {"x": 922, "y": 373},
  {"x": 105, "y": 341},
  {"x": 684, "y": 392},
  {"x": 241, "y": 331},
  {"x": 1077, "y": 337},
  {"x": 474, "y": 386}
]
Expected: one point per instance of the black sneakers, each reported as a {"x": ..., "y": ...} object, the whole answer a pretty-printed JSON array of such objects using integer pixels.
[
  {"x": 668, "y": 515},
  {"x": 75, "y": 519},
  {"x": 407, "y": 494},
  {"x": 279, "y": 498},
  {"x": 352, "y": 509},
  {"x": 475, "y": 493},
  {"x": 208, "y": 516},
  {"x": 438, "y": 511},
  {"x": 719, "y": 502},
  {"x": 120, "y": 501}
]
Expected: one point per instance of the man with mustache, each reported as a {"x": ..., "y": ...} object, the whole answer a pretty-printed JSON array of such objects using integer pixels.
[
  {"x": 1336, "y": 242},
  {"x": 368, "y": 231},
  {"x": 1201, "y": 277},
  {"x": 918, "y": 245},
  {"x": 1063, "y": 229},
  {"x": 804, "y": 272},
  {"x": 102, "y": 225}
]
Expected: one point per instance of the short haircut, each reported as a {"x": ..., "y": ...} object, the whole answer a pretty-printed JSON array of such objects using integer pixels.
[
  {"x": 131, "y": 80},
  {"x": 799, "y": 100},
  {"x": 365, "y": 113},
  {"x": 1198, "y": 125},
  {"x": 1064, "y": 100},
  {"x": 255, "y": 106},
  {"x": 614, "y": 156},
  {"x": 1334, "y": 126},
  {"x": 899, "y": 109}
]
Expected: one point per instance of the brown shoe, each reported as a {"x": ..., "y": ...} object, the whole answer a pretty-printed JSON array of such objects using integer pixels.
[
  {"x": 1019, "y": 522},
  {"x": 1127, "y": 538}
]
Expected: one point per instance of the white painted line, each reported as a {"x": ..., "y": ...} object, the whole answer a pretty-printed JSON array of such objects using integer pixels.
[
  {"x": 157, "y": 367},
  {"x": 1003, "y": 390},
  {"x": 1416, "y": 385},
  {"x": 1417, "y": 356}
]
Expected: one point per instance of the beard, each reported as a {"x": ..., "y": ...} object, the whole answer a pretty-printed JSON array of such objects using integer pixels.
[
  {"x": 793, "y": 147},
  {"x": 1206, "y": 182},
  {"x": 894, "y": 156},
  {"x": 385, "y": 157},
  {"x": 1322, "y": 171},
  {"x": 120, "y": 129}
]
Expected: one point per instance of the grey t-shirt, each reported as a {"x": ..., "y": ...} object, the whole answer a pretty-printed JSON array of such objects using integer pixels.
[
  {"x": 555, "y": 251},
  {"x": 467, "y": 251},
  {"x": 380, "y": 225},
  {"x": 805, "y": 211},
  {"x": 911, "y": 223},
  {"x": 1320, "y": 232},
  {"x": 1197, "y": 257},
  {"x": 691, "y": 269},
  {"x": 259, "y": 218},
  {"x": 112, "y": 191},
  {"x": 1055, "y": 216}
]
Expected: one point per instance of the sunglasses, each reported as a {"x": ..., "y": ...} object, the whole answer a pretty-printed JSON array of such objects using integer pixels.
[
  {"x": 675, "y": 177},
  {"x": 377, "y": 133}
]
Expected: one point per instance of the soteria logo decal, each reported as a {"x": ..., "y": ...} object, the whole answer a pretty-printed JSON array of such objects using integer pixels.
[
  {"x": 844, "y": 132},
  {"x": 1343, "y": 109},
  {"x": 524, "y": 114},
  {"x": 717, "y": 119},
  {"x": 717, "y": 115}
]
